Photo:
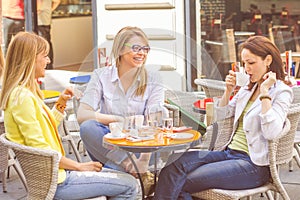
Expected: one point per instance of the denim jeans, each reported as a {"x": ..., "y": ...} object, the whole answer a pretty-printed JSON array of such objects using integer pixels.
[
  {"x": 111, "y": 183},
  {"x": 92, "y": 133},
  {"x": 196, "y": 171}
]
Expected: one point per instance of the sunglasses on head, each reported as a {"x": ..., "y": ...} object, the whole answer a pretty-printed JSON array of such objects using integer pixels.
[{"x": 137, "y": 48}]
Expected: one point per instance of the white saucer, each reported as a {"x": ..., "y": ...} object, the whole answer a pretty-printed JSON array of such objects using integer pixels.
[
  {"x": 182, "y": 136},
  {"x": 111, "y": 137}
]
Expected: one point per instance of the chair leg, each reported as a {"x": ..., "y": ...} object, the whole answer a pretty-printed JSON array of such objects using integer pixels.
[
  {"x": 291, "y": 166},
  {"x": 18, "y": 169},
  {"x": 3, "y": 175},
  {"x": 83, "y": 148},
  {"x": 21, "y": 175},
  {"x": 72, "y": 144},
  {"x": 269, "y": 195},
  {"x": 297, "y": 154},
  {"x": 297, "y": 158}
]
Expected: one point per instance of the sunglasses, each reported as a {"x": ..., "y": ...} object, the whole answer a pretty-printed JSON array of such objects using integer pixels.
[{"x": 137, "y": 48}]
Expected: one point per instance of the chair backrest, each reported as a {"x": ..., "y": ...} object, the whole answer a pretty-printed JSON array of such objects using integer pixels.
[
  {"x": 286, "y": 143},
  {"x": 3, "y": 151},
  {"x": 184, "y": 101},
  {"x": 224, "y": 131},
  {"x": 40, "y": 168},
  {"x": 211, "y": 87},
  {"x": 296, "y": 91}
]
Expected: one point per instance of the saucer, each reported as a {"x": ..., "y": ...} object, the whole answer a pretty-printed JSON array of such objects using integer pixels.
[
  {"x": 182, "y": 136},
  {"x": 111, "y": 137}
]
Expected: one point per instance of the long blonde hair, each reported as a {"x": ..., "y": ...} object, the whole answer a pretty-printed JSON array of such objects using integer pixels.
[
  {"x": 122, "y": 37},
  {"x": 19, "y": 67},
  {"x": 1, "y": 63}
]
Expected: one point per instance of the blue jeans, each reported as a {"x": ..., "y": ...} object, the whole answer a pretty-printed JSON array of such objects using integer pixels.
[
  {"x": 111, "y": 183},
  {"x": 91, "y": 133},
  {"x": 196, "y": 171}
]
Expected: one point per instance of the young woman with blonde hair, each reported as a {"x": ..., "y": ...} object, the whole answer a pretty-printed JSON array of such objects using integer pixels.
[
  {"x": 125, "y": 87},
  {"x": 28, "y": 121}
]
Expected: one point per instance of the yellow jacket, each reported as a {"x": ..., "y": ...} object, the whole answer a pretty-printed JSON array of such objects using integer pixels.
[{"x": 30, "y": 122}]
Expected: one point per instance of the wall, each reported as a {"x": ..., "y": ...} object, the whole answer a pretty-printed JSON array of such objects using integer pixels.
[
  {"x": 72, "y": 39},
  {"x": 164, "y": 27}
]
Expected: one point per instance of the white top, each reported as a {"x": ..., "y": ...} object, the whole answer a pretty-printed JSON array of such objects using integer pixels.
[
  {"x": 259, "y": 128},
  {"x": 105, "y": 93}
]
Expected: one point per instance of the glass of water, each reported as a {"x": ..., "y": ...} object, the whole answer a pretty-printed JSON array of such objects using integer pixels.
[{"x": 167, "y": 126}]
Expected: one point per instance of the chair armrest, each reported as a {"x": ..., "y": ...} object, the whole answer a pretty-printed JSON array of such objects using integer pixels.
[{"x": 223, "y": 133}]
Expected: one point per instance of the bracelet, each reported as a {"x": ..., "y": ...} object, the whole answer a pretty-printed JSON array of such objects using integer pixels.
[
  {"x": 265, "y": 97},
  {"x": 60, "y": 107}
]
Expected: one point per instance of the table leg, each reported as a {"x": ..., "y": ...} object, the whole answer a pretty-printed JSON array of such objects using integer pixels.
[
  {"x": 155, "y": 168},
  {"x": 139, "y": 175}
]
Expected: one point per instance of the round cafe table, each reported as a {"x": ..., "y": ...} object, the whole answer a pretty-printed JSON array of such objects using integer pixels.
[{"x": 153, "y": 146}]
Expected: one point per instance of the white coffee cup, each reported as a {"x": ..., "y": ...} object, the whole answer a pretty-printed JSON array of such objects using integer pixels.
[
  {"x": 241, "y": 78},
  {"x": 116, "y": 128}
]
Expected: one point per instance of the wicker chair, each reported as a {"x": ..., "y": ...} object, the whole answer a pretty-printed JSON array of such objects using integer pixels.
[
  {"x": 40, "y": 168},
  {"x": 184, "y": 101},
  {"x": 7, "y": 160},
  {"x": 211, "y": 87},
  {"x": 280, "y": 152},
  {"x": 296, "y": 152}
]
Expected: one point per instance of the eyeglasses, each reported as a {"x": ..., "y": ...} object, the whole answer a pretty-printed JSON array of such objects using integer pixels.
[{"x": 137, "y": 48}]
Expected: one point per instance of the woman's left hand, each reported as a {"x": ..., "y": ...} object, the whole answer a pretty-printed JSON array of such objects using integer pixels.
[
  {"x": 64, "y": 97},
  {"x": 67, "y": 93},
  {"x": 269, "y": 80}
]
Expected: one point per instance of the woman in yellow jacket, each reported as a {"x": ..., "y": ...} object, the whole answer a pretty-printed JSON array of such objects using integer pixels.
[{"x": 30, "y": 122}]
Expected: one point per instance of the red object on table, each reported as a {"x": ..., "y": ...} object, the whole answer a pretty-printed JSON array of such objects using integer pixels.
[{"x": 202, "y": 103}]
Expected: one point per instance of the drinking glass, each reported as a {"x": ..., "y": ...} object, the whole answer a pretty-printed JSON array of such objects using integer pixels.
[
  {"x": 168, "y": 126},
  {"x": 156, "y": 113}
]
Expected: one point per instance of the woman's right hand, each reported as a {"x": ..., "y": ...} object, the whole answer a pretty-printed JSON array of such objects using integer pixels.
[
  {"x": 230, "y": 81},
  {"x": 90, "y": 166}
]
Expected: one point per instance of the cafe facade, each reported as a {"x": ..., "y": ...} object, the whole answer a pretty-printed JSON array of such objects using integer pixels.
[{"x": 189, "y": 39}]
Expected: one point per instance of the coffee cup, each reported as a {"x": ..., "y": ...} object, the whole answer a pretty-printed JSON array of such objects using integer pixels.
[
  {"x": 241, "y": 78},
  {"x": 116, "y": 128}
]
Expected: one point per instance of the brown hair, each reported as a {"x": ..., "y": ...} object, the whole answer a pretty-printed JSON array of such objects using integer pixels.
[{"x": 262, "y": 47}]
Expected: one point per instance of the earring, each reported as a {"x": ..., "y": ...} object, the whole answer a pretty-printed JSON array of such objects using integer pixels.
[{"x": 268, "y": 66}]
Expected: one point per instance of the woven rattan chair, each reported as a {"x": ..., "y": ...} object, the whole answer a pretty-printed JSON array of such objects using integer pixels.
[
  {"x": 280, "y": 152},
  {"x": 7, "y": 160},
  {"x": 184, "y": 101},
  {"x": 211, "y": 87},
  {"x": 40, "y": 168},
  {"x": 296, "y": 151}
]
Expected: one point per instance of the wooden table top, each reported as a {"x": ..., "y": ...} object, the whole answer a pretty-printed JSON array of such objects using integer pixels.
[{"x": 165, "y": 142}]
